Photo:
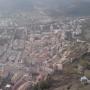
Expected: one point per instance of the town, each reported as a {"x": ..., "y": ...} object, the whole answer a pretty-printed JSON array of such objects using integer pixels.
[{"x": 29, "y": 48}]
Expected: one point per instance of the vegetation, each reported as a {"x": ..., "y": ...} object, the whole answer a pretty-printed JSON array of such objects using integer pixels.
[
  {"x": 85, "y": 61},
  {"x": 44, "y": 84}
]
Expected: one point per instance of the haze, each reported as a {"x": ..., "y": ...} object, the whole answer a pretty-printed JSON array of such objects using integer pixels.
[{"x": 72, "y": 7}]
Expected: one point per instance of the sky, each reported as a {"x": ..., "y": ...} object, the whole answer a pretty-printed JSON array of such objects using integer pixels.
[
  {"x": 23, "y": 3},
  {"x": 62, "y": 5}
]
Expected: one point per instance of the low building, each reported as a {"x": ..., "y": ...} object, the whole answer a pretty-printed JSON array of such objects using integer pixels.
[
  {"x": 8, "y": 87},
  {"x": 84, "y": 80}
]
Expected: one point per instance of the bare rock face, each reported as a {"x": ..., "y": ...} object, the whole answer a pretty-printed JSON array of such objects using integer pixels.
[
  {"x": 74, "y": 51},
  {"x": 20, "y": 82},
  {"x": 25, "y": 86},
  {"x": 16, "y": 77}
]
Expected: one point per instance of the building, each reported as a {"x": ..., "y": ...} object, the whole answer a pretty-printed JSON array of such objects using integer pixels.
[{"x": 84, "y": 80}]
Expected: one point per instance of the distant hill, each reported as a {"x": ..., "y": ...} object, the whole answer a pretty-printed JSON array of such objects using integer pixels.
[
  {"x": 81, "y": 9},
  {"x": 53, "y": 7}
]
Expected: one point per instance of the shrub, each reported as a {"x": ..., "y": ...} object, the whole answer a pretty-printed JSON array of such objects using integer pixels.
[{"x": 44, "y": 84}]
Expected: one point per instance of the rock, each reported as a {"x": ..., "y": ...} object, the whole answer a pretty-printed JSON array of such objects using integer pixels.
[
  {"x": 16, "y": 77},
  {"x": 21, "y": 81},
  {"x": 25, "y": 86}
]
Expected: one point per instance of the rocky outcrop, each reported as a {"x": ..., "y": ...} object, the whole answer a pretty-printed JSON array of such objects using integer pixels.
[
  {"x": 21, "y": 81},
  {"x": 73, "y": 52},
  {"x": 16, "y": 77},
  {"x": 25, "y": 86}
]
